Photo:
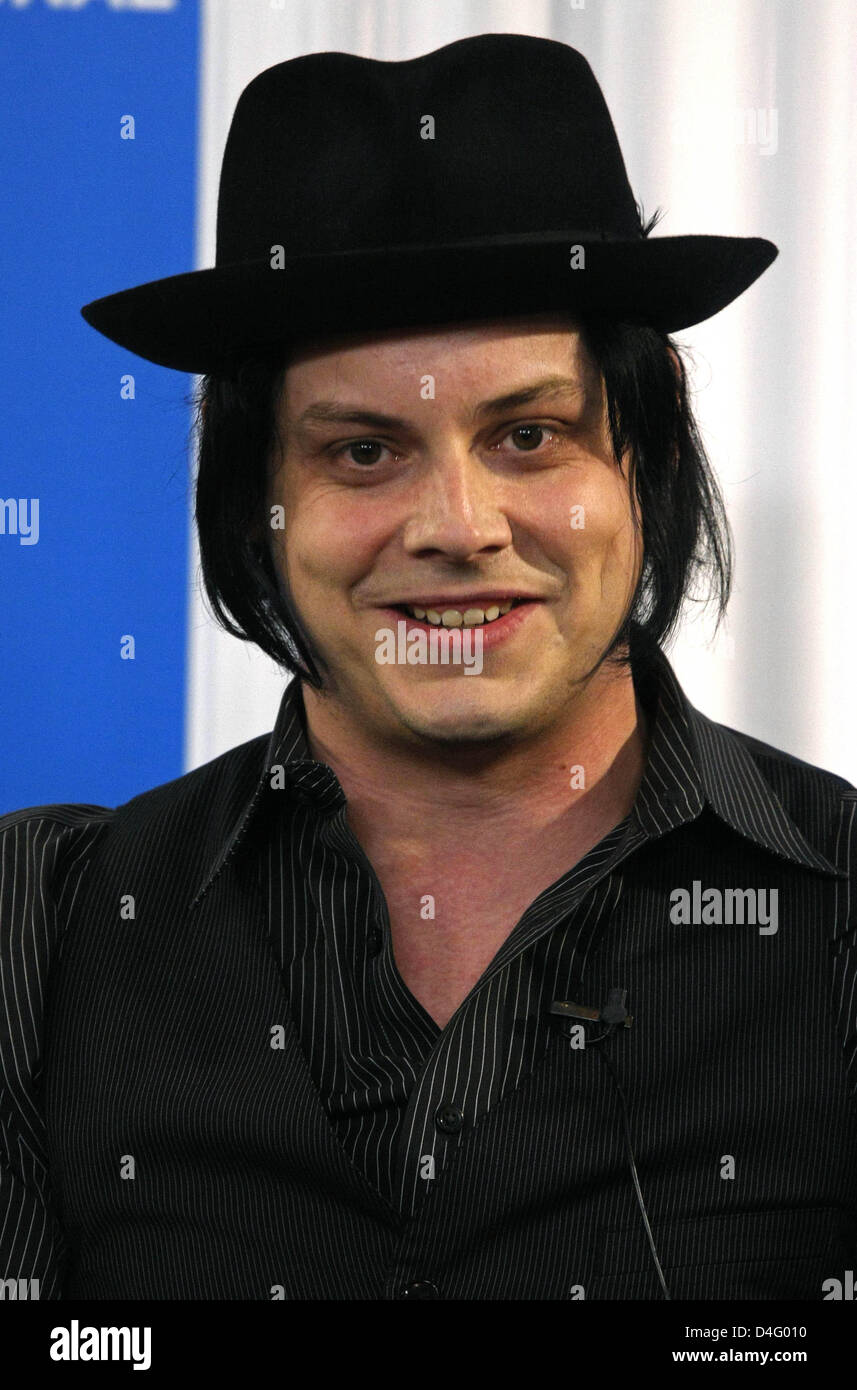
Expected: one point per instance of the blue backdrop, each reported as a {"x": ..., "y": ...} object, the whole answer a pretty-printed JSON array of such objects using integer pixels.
[{"x": 86, "y": 213}]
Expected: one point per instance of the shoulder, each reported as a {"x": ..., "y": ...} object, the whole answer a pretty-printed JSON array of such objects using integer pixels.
[
  {"x": 819, "y": 802},
  {"x": 822, "y": 803},
  {"x": 42, "y": 844},
  {"x": 38, "y": 841},
  {"x": 790, "y": 774}
]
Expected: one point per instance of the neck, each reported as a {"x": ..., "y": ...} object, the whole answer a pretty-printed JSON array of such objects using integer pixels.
[{"x": 402, "y": 801}]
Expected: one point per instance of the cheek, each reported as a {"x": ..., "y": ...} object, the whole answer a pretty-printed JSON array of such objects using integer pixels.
[
  {"x": 329, "y": 541},
  {"x": 587, "y": 523}
]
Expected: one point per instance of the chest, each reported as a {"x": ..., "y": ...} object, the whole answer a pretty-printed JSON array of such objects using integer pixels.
[
  {"x": 450, "y": 914},
  {"x": 444, "y": 940}
]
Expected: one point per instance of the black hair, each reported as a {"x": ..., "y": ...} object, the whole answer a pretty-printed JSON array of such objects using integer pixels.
[{"x": 686, "y": 540}]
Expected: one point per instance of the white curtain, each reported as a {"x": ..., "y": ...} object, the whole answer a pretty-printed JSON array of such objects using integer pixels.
[{"x": 734, "y": 116}]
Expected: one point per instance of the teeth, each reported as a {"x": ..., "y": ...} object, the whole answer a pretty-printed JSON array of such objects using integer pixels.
[{"x": 453, "y": 617}]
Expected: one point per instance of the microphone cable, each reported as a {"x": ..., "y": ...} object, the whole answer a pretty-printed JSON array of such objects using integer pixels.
[{"x": 613, "y": 1015}]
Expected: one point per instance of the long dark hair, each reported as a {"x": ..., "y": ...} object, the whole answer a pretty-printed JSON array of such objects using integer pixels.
[{"x": 687, "y": 545}]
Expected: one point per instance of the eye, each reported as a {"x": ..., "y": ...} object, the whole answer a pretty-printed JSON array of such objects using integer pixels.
[
  {"x": 531, "y": 436},
  {"x": 368, "y": 454}
]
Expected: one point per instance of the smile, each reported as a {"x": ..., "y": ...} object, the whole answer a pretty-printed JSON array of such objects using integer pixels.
[
  {"x": 495, "y": 622},
  {"x": 457, "y": 617}
]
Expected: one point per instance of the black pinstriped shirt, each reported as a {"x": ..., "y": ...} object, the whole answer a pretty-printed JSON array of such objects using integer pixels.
[
  {"x": 722, "y": 903},
  {"x": 396, "y": 1086}
]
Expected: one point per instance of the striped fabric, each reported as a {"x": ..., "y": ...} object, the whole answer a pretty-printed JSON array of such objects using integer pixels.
[{"x": 225, "y": 1011}]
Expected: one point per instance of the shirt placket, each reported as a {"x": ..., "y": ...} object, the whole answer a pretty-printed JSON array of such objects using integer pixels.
[{"x": 503, "y": 1029}]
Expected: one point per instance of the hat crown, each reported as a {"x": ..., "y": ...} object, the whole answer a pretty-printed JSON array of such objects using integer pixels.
[
  {"x": 490, "y": 136},
  {"x": 480, "y": 181}
]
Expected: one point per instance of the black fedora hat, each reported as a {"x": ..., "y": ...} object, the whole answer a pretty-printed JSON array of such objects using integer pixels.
[{"x": 481, "y": 180}]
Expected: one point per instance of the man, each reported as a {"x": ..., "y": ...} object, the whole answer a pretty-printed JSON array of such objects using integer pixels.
[{"x": 498, "y": 971}]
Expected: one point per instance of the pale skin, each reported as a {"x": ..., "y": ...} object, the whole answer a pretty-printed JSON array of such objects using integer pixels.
[{"x": 461, "y": 787}]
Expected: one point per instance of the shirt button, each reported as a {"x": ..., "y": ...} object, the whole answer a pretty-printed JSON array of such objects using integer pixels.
[
  {"x": 374, "y": 941},
  {"x": 421, "y": 1288},
  {"x": 449, "y": 1118}
]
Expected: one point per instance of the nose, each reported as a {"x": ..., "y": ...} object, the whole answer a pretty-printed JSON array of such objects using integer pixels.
[{"x": 456, "y": 508}]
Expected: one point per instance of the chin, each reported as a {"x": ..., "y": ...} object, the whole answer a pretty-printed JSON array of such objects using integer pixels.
[{"x": 454, "y": 717}]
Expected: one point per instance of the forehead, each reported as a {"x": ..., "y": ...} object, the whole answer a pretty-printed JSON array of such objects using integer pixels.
[{"x": 461, "y": 356}]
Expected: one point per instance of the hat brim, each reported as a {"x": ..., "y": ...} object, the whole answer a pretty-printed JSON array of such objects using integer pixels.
[{"x": 206, "y": 321}]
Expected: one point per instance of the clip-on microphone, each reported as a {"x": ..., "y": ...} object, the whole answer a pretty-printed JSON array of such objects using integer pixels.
[{"x": 613, "y": 1014}]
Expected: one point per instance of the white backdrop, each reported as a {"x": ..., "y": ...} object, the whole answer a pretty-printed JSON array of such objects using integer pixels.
[{"x": 735, "y": 117}]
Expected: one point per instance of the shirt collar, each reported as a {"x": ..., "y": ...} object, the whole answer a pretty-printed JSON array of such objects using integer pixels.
[
  {"x": 287, "y": 769},
  {"x": 692, "y": 762}
]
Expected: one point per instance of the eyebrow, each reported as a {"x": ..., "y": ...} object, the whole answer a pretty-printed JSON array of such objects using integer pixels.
[{"x": 335, "y": 412}]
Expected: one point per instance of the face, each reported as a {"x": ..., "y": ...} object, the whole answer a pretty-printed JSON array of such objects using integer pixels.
[{"x": 451, "y": 473}]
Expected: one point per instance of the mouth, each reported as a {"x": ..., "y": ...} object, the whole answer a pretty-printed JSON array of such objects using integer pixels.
[{"x": 470, "y": 615}]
